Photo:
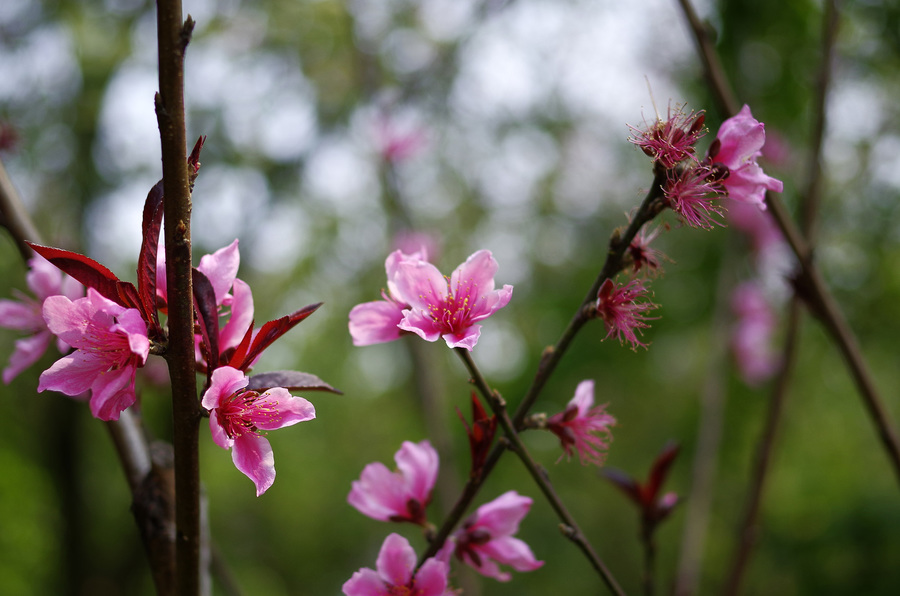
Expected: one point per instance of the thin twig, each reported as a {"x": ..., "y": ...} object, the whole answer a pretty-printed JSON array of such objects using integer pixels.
[
  {"x": 812, "y": 288},
  {"x": 173, "y": 35},
  {"x": 572, "y": 531}
]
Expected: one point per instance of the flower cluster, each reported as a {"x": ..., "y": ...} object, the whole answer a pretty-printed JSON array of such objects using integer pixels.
[
  {"x": 420, "y": 300},
  {"x": 623, "y": 308},
  {"x": 730, "y": 169},
  {"x": 485, "y": 541},
  {"x": 112, "y": 330}
]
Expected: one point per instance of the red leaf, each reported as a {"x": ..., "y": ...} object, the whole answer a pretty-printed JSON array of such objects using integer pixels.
[
  {"x": 92, "y": 274},
  {"x": 146, "y": 268},
  {"x": 207, "y": 316},
  {"x": 268, "y": 333}
]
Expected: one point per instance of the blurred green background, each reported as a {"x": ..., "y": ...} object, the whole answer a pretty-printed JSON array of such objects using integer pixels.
[{"x": 516, "y": 113}]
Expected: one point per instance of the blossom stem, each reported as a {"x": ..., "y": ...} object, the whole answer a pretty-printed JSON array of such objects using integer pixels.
[
  {"x": 650, "y": 208},
  {"x": 173, "y": 35},
  {"x": 809, "y": 283},
  {"x": 573, "y": 532}
]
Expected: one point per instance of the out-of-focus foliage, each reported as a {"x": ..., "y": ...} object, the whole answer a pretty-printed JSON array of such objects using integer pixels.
[{"x": 518, "y": 111}]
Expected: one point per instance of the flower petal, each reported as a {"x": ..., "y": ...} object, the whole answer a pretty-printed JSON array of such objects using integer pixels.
[
  {"x": 221, "y": 268},
  {"x": 28, "y": 351},
  {"x": 419, "y": 464},
  {"x": 396, "y": 560},
  {"x": 226, "y": 380},
  {"x": 375, "y": 322},
  {"x": 112, "y": 392},
  {"x": 365, "y": 582},
  {"x": 421, "y": 284},
  {"x": 291, "y": 409},
  {"x": 478, "y": 272},
  {"x": 253, "y": 456}
]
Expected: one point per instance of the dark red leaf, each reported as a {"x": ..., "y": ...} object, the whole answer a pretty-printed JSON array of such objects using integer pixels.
[
  {"x": 146, "y": 268},
  {"x": 626, "y": 483},
  {"x": 194, "y": 160},
  {"x": 660, "y": 470},
  {"x": 290, "y": 379},
  {"x": 207, "y": 316},
  {"x": 268, "y": 333},
  {"x": 92, "y": 274}
]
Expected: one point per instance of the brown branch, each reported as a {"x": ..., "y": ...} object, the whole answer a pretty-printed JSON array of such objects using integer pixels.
[
  {"x": 569, "y": 526},
  {"x": 814, "y": 291},
  {"x": 14, "y": 218},
  {"x": 173, "y": 35}
]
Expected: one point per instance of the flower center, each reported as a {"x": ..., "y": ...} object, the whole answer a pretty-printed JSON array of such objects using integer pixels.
[
  {"x": 244, "y": 411},
  {"x": 453, "y": 312}
]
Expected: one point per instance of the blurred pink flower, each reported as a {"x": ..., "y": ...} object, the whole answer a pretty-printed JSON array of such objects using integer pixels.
[
  {"x": 671, "y": 141},
  {"x": 450, "y": 308},
  {"x": 26, "y": 314},
  {"x": 395, "y": 575},
  {"x": 758, "y": 225},
  {"x": 237, "y": 415},
  {"x": 691, "y": 193},
  {"x": 582, "y": 427},
  {"x": 623, "y": 308},
  {"x": 111, "y": 343},
  {"x": 402, "y": 495},
  {"x": 751, "y": 338},
  {"x": 738, "y": 143},
  {"x": 486, "y": 538},
  {"x": 377, "y": 322},
  {"x": 398, "y": 141}
]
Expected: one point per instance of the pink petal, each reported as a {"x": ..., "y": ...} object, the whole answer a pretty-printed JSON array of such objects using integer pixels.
[
  {"x": 365, "y": 582},
  {"x": 23, "y": 316},
  {"x": 43, "y": 278},
  {"x": 226, "y": 380},
  {"x": 467, "y": 339},
  {"x": 742, "y": 137},
  {"x": 418, "y": 463},
  {"x": 72, "y": 374},
  {"x": 219, "y": 435},
  {"x": 379, "y": 493},
  {"x": 253, "y": 456},
  {"x": 513, "y": 552},
  {"x": 488, "y": 567},
  {"x": 112, "y": 392},
  {"x": 241, "y": 316},
  {"x": 221, "y": 268},
  {"x": 420, "y": 323},
  {"x": 396, "y": 560},
  {"x": 487, "y": 305},
  {"x": 133, "y": 326},
  {"x": 478, "y": 270},
  {"x": 431, "y": 579},
  {"x": 291, "y": 409},
  {"x": 375, "y": 322},
  {"x": 584, "y": 397},
  {"x": 421, "y": 284},
  {"x": 28, "y": 351},
  {"x": 502, "y": 515}
]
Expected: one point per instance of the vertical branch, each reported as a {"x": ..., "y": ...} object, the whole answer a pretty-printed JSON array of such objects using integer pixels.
[{"x": 173, "y": 36}]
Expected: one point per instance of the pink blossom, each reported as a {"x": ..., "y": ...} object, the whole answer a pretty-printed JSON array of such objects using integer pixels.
[
  {"x": 486, "y": 539},
  {"x": 450, "y": 308},
  {"x": 395, "y": 575},
  {"x": 402, "y": 495},
  {"x": 738, "y": 144},
  {"x": 752, "y": 335},
  {"x": 398, "y": 141},
  {"x": 623, "y": 308},
  {"x": 582, "y": 427},
  {"x": 233, "y": 296},
  {"x": 237, "y": 415},
  {"x": 111, "y": 343},
  {"x": 691, "y": 193},
  {"x": 671, "y": 141},
  {"x": 377, "y": 322},
  {"x": 26, "y": 314}
]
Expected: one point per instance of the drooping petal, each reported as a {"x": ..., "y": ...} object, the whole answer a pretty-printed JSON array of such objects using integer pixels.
[
  {"x": 72, "y": 374},
  {"x": 22, "y": 316},
  {"x": 112, "y": 392},
  {"x": 375, "y": 322},
  {"x": 396, "y": 560},
  {"x": 514, "y": 552},
  {"x": 253, "y": 456},
  {"x": 467, "y": 339},
  {"x": 421, "y": 323}
]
